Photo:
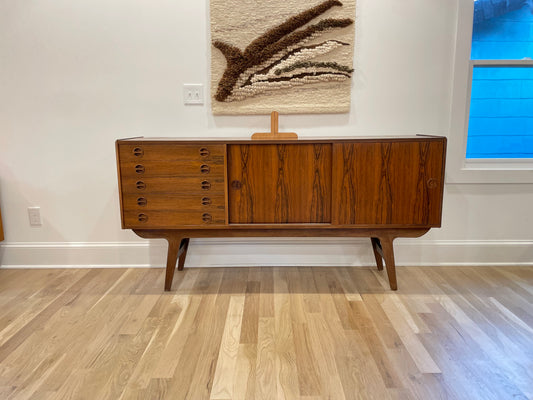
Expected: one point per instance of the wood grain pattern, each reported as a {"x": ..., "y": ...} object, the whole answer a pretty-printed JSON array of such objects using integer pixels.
[
  {"x": 224, "y": 379},
  {"x": 205, "y": 202},
  {"x": 170, "y": 218},
  {"x": 169, "y": 184},
  {"x": 163, "y": 185},
  {"x": 388, "y": 182},
  {"x": 170, "y": 168},
  {"x": 203, "y": 151},
  {"x": 450, "y": 333},
  {"x": 279, "y": 183}
]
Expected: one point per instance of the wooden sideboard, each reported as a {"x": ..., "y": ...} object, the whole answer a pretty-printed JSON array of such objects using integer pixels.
[{"x": 375, "y": 187}]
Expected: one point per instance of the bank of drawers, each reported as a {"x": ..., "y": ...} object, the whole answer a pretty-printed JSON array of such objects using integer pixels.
[{"x": 168, "y": 185}]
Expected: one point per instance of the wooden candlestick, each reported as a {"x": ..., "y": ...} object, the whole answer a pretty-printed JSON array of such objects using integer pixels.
[{"x": 274, "y": 127}]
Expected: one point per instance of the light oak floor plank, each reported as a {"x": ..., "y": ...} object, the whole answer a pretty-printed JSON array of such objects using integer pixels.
[{"x": 267, "y": 333}]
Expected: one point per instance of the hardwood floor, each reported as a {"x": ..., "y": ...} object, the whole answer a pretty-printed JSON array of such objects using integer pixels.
[{"x": 267, "y": 333}]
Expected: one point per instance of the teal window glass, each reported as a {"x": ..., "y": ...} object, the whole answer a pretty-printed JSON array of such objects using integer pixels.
[
  {"x": 501, "y": 113},
  {"x": 504, "y": 32},
  {"x": 501, "y": 105}
]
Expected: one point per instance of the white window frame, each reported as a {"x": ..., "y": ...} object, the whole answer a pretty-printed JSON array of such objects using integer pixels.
[{"x": 459, "y": 168}]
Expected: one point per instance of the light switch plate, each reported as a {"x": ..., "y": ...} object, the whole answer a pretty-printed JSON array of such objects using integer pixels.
[{"x": 193, "y": 93}]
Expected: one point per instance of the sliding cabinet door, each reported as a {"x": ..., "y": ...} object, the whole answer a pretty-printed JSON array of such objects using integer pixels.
[
  {"x": 388, "y": 182},
  {"x": 279, "y": 183}
]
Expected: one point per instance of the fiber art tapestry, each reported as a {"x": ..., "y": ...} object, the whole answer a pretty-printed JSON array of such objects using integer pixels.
[{"x": 293, "y": 56}]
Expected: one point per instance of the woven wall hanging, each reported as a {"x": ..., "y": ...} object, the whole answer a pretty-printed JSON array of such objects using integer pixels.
[{"x": 294, "y": 56}]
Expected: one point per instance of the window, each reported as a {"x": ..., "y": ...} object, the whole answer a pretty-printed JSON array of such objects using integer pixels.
[
  {"x": 500, "y": 121},
  {"x": 491, "y": 127}
]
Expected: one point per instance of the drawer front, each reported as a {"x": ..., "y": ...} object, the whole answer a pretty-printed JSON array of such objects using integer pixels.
[
  {"x": 171, "y": 218},
  {"x": 152, "y": 202},
  {"x": 172, "y": 184},
  {"x": 167, "y": 185},
  {"x": 212, "y": 153},
  {"x": 171, "y": 168}
]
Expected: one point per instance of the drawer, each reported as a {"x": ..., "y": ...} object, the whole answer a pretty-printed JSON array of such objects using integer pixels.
[
  {"x": 134, "y": 152},
  {"x": 171, "y": 219},
  {"x": 172, "y": 184},
  {"x": 171, "y": 167},
  {"x": 152, "y": 202}
]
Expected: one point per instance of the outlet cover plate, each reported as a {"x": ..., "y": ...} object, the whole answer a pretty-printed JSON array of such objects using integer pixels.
[{"x": 34, "y": 214}]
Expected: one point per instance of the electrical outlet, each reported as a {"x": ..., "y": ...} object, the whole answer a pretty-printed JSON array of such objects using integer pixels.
[
  {"x": 34, "y": 213},
  {"x": 193, "y": 93}
]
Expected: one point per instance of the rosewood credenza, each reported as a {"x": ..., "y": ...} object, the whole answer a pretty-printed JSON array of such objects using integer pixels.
[{"x": 375, "y": 187}]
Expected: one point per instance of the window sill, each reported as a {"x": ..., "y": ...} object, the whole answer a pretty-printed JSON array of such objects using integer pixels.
[{"x": 491, "y": 171}]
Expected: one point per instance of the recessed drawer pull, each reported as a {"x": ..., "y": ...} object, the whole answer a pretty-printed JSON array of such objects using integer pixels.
[
  {"x": 206, "y": 185},
  {"x": 432, "y": 183},
  {"x": 143, "y": 217},
  {"x": 204, "y": 152},
  {"x": 138, "y": 152},
  {"x": 139, "y": 169},
  {"x": 204, "y": 169},
  {"x": 206, "y": 217},
  {"x": 142, "y": 201},
  {"x": 140, "y": 185},
  {"x": 206, "y": 201}
]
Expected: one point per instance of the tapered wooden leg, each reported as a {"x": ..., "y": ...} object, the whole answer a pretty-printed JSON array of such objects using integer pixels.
[
  {"x": 172, "y": 257},
  {"x": 378, "y": 252},
  {"x": 183, "y": 253},
  {"x": 388, "y": 255}
]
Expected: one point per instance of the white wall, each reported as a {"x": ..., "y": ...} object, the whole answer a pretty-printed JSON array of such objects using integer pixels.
[{"x": 76, "y": 75}]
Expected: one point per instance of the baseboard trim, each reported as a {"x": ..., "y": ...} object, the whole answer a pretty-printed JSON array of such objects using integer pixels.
[{"x": 265, "y": 252}]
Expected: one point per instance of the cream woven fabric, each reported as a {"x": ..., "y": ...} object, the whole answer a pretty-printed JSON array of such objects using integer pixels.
[{"x": 293, "y": 56}]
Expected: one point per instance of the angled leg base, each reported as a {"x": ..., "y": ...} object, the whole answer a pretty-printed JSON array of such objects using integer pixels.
[
  {"x": 177, "y": 250},
  {"x": 387, "y": 251},
  {"x": 378, "y": 252},
  {"x": 178, "y": 242}
]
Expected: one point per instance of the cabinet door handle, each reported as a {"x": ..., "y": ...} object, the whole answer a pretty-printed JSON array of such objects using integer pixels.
[
  {"x": 206, "y": 217},
  {"x": 206, "y": 185},
  {"x": 204, "y": 169},
  {"x": 206, "y": 201},
  {"x": 139, "y": 169},
  {"x": 143, "y": 217},
  {"x": 204, "y": 152},
  {"x": 140, "y": 185},
  {"x": 142, "y": 201},
  {"x": 138, "y": 152}
]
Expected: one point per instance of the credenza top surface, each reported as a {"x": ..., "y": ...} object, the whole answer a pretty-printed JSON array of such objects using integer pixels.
[{"x": 313, "y": 139}]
